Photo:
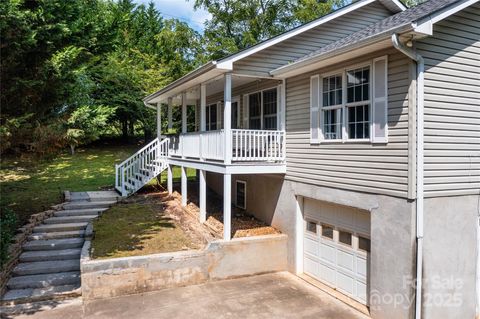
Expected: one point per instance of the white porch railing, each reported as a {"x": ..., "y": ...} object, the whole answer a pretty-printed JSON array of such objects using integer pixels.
[
  {"x": 247, "y": 145},
  {"x": 141, "y": 167}
]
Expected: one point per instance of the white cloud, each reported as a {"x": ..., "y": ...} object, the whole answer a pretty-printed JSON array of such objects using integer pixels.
[{"x": 182, "y": 10}]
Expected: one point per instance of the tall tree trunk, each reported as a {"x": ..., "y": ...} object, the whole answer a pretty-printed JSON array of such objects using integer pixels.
[
  {"x": 124, "y": 130},
  {"x": 131, "y": 129},
  {"x": 72, "y": 149}
]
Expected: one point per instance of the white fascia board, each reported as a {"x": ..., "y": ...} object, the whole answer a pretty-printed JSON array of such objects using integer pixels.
[
  {"x": 282, "y": 37},
  {"x": 425, "y": 25}
]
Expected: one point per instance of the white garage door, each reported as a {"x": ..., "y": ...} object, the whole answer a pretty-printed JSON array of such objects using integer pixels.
[{"x": 337, "y": 247}]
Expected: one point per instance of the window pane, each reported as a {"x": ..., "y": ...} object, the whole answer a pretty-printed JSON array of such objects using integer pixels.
[
  {"x": 364, "y": 244},
  {"x": 358, "y": 122},
  {"x": 332, "y": 90},
  {"x": 345, "y": 237},
  {"x": 234, "y": 114},
  {"x": 327, "y": 231},
  {"x": 312, "y": 227},
  {"x": 358, "y": 83},
  {"x": 332, "y": 124}
]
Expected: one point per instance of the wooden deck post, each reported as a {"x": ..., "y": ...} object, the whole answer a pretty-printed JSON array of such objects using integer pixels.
[
  {"x": 227, "y": 118},
  {"x": 184, "y": 112},
  {"x": 169, "y": 113},
  {"x": 184, "y": 186},
  {"x": 169, "y": 179},
  {"x": 227, "y": 206},
  {"x": 203, "y": 196},
  {"x": 159, "y": 120}
]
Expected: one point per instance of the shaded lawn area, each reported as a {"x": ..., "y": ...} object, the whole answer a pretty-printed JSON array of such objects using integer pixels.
[
  {"x": 137, "y": 227},
  {"x": 31, "y": 186}
]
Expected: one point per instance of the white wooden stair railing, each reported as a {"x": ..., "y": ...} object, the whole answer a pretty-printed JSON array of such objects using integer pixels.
[{"x": 137, "y": 170}]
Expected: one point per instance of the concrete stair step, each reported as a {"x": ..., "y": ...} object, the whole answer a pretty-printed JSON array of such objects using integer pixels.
[
  {"x": 46, "y": 267},
  {"x": 18, "y": 296},
  {"x": 50, "y": 255},
  {"x": 53, "y": 244},
  {"x": 69, "y": 219},
  {"x": 59, "y": 227},
  {"x": 88, "y": 204},
  {"x": 44, "y": 280},
  {"x": 57, "y": 235},
  {"x": 79, "y": 212}
]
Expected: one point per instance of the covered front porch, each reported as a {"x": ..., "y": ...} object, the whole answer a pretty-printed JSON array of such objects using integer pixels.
[{"x": 238, "y": 127}]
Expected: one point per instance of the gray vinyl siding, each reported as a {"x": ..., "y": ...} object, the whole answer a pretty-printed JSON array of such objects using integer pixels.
[
  {"x": 381, "y": 169},
  {"x": 452, "y": 105},
  {"x": 298, "y": 46}
]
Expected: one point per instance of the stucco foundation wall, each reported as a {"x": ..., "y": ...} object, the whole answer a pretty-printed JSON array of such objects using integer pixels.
[
  {"x": 220, "y": 260},
  {"x": 392, "y": 258},
  {"x": 263, "y": 192},
  {"x": 449, "y": 261}
]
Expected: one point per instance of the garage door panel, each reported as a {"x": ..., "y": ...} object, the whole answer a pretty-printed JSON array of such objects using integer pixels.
[
  {"x": 328, "y": 274},
  {"x": 345, "y": 260},
  {"x": 310, "y": 266},
  {"x": 328, "y": 253},
  {"x": 311, "y": 246},
  {"x": 345, "y": 283},
  {"x": 361, "y": 267},
  {"x": 361, "y": 291}
]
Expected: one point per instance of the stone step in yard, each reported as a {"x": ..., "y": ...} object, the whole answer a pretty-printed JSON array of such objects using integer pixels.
[
  {"x": 46, "y": 255},
  {"x": 79, "y": 212},
  {"x": 57, "y": 235},
  {"x": 54, "y": 244},
  {"x": 59, "y": 227},
  {"x": 44, "y": 280},
  {"x": 46, "y": 267},
  {"x": 86, "y": 204},
  {"x": 70, "y": 219},
  {"x": 16, "y": 296},
  {"x": 49, "y": 266}
]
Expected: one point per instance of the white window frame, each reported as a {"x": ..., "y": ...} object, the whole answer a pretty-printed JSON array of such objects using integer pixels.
[
  {"x": 247, "y": 106},
  {"x": 208, "y": 122},
  {"x": 244, "y": 207},
  {"x": 344, "y": 106}
]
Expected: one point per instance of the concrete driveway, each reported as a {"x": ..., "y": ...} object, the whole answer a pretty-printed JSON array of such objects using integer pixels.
[{"x": 279, "y": 295}]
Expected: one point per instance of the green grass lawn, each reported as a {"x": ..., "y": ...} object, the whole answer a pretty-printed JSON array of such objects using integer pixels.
[{"x": 28, "y": 186}]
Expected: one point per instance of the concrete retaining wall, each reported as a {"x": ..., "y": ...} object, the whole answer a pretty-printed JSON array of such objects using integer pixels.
[{"x": 220, "y": 260}]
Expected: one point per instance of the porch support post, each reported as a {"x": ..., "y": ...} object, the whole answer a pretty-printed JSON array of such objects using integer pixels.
[
  {"x": 184, "y": 186},
  {"x": 159, "y": 120},
  {"x": 169, "y": 179},
  {"x": 203, "y": 196},
  {"x": 184, "y": 112},
  {"x": 227, "y": 206},
  {"x": 227, "y": 118},
  {"x": 203, "y": 106},
  {"x": 169, "y": 113}
]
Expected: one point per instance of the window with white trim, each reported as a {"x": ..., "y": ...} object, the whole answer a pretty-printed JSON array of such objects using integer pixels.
[
  {"x": 241, "y": 194},
  {"x": 350, "y": 104},
  {"x": 263, "y": 109},
  {"x": 211, "y": 117}
]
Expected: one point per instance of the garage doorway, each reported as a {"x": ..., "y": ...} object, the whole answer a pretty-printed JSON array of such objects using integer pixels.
[{"x": 337, "y": 247}]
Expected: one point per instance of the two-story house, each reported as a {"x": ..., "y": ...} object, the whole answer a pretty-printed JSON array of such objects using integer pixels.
[{"x": 358, "y": 136}]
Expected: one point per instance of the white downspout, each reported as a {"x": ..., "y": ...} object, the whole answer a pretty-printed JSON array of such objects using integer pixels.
[{"x": 420, "y": 171}]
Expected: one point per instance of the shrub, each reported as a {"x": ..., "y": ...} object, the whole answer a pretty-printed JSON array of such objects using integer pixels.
[{"x": 8, "y": 222}]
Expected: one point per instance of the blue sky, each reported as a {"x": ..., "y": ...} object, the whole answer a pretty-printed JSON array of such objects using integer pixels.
[{"x": 182, "y": 10}]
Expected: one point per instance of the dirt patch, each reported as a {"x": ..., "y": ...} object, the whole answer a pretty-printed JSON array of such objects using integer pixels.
[
  {"x": 243, "y": 224},
  {"x": 145, "y": 224}
]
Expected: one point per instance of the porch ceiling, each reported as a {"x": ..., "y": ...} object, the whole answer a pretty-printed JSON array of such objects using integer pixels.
[{"x": 214, "y": 84}]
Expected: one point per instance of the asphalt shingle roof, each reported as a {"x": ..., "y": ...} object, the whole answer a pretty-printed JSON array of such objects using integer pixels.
[{"x": 387, "y": 25}]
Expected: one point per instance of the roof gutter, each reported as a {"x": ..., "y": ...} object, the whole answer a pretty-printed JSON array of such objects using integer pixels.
[
  {"x": 420, "y": 170},
  {"x": 189, "y": 76}
]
